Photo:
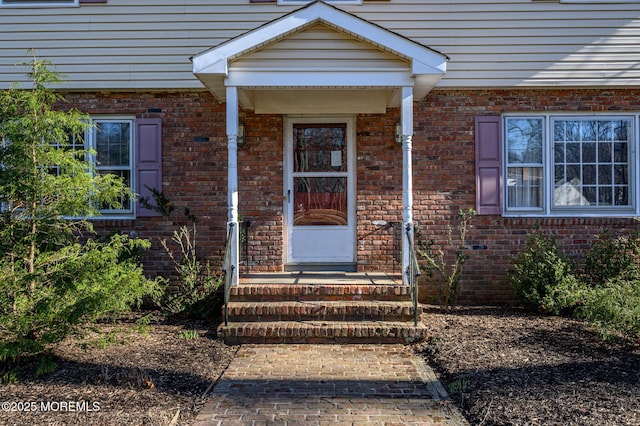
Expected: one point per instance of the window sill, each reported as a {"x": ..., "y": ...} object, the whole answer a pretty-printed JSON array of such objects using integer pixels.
[
  {"x": 625, "y": 214},
  {"x": 111, "y": 217}
]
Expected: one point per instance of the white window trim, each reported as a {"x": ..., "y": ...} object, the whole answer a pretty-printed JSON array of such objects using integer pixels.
[
  {"x": 90, "y": 143},
  {"x": 43, "y": 4},
  {"x": 547, "y": 174}
]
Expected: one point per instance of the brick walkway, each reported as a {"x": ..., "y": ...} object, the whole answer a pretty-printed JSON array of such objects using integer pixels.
[{"x": 328, "y": 384}]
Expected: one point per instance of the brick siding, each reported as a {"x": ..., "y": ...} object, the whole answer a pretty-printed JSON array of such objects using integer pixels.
[{"x": 194, "y": 177}]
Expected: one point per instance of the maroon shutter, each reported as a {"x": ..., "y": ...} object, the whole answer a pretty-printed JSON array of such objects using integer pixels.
[
  {"x": 488, "y": 165},
  {"x": 148, "y": 161}
]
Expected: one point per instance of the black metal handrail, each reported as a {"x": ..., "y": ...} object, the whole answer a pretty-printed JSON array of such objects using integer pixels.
[
  {"x": 413, "y": 271},
  {"x": 228, "y": 269},
  {"x": 243, "y": 235}
]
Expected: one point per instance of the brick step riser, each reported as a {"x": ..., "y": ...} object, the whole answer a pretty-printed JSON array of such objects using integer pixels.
[
  {"x": 321, "y": 313},
  {"x": 322, "y": 292},
  {"x": 245, "y": 333},
  {"x": 335, "y": 317},
  {"x": 253, "y": 340},
  {"x": 316, "y": 297}
]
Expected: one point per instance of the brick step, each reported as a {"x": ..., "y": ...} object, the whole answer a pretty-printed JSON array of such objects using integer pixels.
[
  {"x": 324, "y": 332},
  {"x": 327, "y": 292},
  {"x": 321, "y": 310}
]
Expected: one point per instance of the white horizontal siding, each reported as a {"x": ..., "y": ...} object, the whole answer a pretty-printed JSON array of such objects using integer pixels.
[{"x": 128, "y": 44}]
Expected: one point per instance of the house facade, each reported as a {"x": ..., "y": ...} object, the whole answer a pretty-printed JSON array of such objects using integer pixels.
[{"x": 332, "y": 129}]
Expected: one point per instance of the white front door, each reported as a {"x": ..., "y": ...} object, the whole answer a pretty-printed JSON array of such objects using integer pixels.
[{"x": 319, "y": 193}]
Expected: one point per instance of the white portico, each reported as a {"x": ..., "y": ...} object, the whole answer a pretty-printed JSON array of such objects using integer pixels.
[{"x": 319, "y": 66}]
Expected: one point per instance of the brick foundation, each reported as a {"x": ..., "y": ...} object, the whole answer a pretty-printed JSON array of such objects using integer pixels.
[{"x": 195, "y": 177}]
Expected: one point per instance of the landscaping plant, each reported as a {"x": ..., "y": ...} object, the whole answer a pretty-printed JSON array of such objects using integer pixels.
[
  {"x": 607, "y": 293},
  {"x": 614, "y": 307},
  {"x": 196, "y": 294},
  {"x": 610, "y": 257},
  {"x": 438, "y": 262},
  {"x": 54, "y": 276},
  {"x": 610, "y": 298},
  {"x": 198, "y": 280},
  {"x": 542, "y": 275}
]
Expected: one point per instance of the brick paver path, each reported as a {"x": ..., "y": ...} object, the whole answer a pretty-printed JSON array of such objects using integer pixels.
[{"x": 328, "y": 384}]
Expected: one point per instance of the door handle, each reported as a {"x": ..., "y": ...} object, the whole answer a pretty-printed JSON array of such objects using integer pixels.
[{"x": 288, "y": 196}]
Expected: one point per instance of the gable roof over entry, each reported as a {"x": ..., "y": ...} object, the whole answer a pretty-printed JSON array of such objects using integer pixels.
[{"x": 330, "y": 57}]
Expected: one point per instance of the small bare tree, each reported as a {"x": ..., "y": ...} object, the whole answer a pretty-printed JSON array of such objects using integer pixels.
[{"x": 438, "y": 262}]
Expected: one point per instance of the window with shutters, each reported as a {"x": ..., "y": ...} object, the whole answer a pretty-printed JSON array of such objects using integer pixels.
[
  {"x": 128, "y": 148},
  {"x": 132, "y": 150},
  {"x": 568, "y": 165}
]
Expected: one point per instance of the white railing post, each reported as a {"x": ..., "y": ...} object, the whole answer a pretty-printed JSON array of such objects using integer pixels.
[
  {"x": 232, "y": 177},
  {"x": 406, "y": 121}
]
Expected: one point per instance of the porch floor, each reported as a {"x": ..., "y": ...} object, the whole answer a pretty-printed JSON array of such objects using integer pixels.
[{"x": 322, "y": 278}]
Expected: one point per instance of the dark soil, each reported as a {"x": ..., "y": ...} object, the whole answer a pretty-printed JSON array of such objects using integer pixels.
[
  {"x": 121, "y": 374},
  {"x": 509, "y": 367}
]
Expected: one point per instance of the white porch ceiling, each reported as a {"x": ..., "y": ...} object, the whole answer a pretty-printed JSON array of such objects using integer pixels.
[{"x": 319, "y": 59}]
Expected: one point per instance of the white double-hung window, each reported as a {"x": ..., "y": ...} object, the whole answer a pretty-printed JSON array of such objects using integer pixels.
[
  {"x": 112, "y": 142},
  {"x": 525, "y": 163},
  {"x": 570, "y": 165}
]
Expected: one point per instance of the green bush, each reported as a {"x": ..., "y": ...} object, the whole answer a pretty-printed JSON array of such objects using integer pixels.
[
  {"x": 610, "y": 298},
  {"x": 70, "y": 287},
  {"x": 611, "y": 257},
  {"x": 614, "y": 306},
  {"x": 608, "y": 294},
  {"x": 542, "y": 276}
]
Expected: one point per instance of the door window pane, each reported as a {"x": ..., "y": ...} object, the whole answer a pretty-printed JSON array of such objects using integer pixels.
[
  {"x": 319, "y": 148},
  {"x": 320, "y": 201}
]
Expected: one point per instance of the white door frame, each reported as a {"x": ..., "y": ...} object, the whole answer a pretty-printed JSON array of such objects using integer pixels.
[{"x": 349, "y": 256}]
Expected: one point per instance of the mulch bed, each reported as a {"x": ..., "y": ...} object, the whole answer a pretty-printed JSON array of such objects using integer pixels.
[
  {"x": 506, "y": 366},
  {"x": 121, "y": 374},
  {"x": 502, "y": 366}
]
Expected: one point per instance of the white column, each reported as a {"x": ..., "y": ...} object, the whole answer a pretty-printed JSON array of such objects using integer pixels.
[
  {"x": 406, "y": 121},
  {"x": 232, "y": 179}
]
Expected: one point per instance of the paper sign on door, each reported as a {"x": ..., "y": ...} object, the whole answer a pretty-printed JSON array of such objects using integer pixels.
[{"x": 336, "y": 158}]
